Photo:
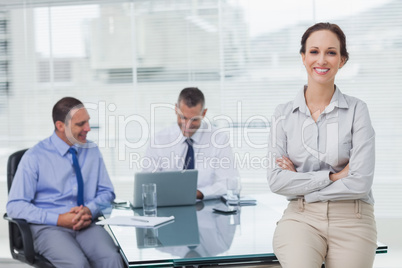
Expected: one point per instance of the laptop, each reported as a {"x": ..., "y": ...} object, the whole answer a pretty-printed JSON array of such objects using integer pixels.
[{"x": 173, "y": 188}]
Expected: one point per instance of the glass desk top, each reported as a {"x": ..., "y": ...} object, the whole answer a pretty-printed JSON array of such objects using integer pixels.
[{"x": 199, "y": 235}]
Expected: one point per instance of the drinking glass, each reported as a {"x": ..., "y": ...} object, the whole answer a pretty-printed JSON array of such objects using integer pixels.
[
  {"x": 233, "y": 188},
  {"x": 149, "y": 202}
]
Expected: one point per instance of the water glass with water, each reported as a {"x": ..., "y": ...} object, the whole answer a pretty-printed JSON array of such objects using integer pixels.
[
  {"x": 233, "y": 188},
  {"x": 149, "y": 203}
]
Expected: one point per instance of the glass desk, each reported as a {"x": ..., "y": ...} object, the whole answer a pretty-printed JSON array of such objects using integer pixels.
[{"x": 200, "y": 236}]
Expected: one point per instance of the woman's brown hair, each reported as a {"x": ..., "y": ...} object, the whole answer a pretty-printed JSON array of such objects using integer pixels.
[{"x": 330, "y": 27}]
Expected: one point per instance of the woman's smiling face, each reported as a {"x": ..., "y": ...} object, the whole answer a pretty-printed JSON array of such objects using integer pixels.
[{"x": 322, "y": 58}]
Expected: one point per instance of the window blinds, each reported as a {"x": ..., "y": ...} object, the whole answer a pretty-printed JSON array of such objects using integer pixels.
[{"x": 128, "y": 60}]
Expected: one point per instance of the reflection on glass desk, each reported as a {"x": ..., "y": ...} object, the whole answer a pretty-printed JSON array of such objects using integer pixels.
[
  {"x": 182, "y": 232},
  {"x": 199, "y": 235}
]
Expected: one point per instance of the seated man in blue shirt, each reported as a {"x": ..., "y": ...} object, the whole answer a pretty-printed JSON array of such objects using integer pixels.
[{"x": 60, "y": 199}]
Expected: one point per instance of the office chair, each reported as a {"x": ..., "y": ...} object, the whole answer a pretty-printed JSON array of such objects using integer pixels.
[{"x": 21, "y": 242}]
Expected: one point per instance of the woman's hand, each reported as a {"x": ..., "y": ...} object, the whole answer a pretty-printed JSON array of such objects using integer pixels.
[
  {"x": 285, "y": 164},
  {"x": 340, "y": 175}
]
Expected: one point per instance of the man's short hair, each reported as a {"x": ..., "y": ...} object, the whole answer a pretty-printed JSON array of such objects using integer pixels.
[
  {"x": 191, "y": 96},
  {"x": 63, "y": 107}
]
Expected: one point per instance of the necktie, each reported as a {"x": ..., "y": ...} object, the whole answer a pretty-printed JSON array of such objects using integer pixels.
[
  {"x": 80, "y": 182},
  {"x": 189, "y": 160}
]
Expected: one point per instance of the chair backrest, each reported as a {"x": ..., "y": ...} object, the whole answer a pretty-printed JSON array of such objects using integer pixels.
[
  {"x": 19, "y": 251},
  {"x": 12, "y": 165}
]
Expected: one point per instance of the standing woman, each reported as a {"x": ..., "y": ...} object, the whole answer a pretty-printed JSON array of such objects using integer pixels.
[{"x": 324, "y": 146}]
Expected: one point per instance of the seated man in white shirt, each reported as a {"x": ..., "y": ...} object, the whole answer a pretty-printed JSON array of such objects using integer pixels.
[{"x": 210, "y": 152}]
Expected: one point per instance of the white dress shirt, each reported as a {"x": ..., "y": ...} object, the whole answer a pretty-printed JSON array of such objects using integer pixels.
[
  {"x": 342, "y": 134},
  {"x": 213, "y": 157}
]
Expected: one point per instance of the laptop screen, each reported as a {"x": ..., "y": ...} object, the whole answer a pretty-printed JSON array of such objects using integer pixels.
[{"x": 173, "y": 188}]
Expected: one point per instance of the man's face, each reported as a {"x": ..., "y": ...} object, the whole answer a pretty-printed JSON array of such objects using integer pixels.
[
  {"x": 77, "y": 128},
  {"x": 189, "y": 119}
]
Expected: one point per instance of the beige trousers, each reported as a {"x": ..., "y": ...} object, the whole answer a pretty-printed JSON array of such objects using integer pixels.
[{"x": 342, "y": 234}]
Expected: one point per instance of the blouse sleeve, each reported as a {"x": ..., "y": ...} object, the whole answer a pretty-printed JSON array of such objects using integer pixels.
[
  {"x": 286, "y": 182},
  {"x": 361, "y": 163}
]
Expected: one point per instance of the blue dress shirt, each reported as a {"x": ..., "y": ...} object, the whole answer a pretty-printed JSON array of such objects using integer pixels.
[{"x": 45, "y": 184}]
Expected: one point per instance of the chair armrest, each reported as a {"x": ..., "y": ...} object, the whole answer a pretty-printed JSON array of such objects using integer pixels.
[{"x": 26, "y": 243}]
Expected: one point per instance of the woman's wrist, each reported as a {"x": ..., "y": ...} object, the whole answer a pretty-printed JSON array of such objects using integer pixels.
[{"x": 333, "y": 177}]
